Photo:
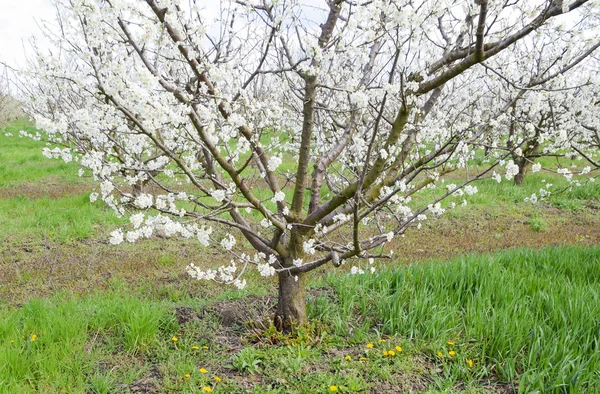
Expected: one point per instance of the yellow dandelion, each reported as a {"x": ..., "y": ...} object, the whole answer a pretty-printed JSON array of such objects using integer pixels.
[
  {"x": 174, "y": 339},
  {"x": 207, "y": 389},
  {"x": 440, "y": 354},
  {"x": 385, "y": 353},
  {"x": 187, "y": 376},
  {"x": 202, "y": 370},
  {"x": 470, "y": 362},
  {"x": 33, "y": 337},
  {"x": 205, "y": 347},
  {"x": 382, "y": 340},
  {"x": 195, "y": 348},
  {"x": 450, "y": 343},
  {"x": 363, "y": 359},
  {"x": 391, "y": 353},
  {"x": 12, "y": 341},
  {"x": 369, "y": 346},
  {"x": 452, "y": 353},
  {"x": 398, "y": 349},
  {"x": 347, "y": 358},
  {"x": 333, "y": 388},
  {"x": 217, "y": 379}
]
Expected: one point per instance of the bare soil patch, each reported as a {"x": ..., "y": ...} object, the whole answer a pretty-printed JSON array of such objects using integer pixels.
[{"x": 52, "y": 187}]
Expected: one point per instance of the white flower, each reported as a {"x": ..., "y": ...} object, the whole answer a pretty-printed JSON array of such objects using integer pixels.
[
  {"x": 436, "y": 209},
  {"x": 240, "y": 284},
  {"x": 228, "y": 242},
  {"x": 143, "y": 201},
  {"x": 265, "y": 223},
  {"x": 496, "y": 177},
  {"x": 360, "y": 99},
  {"x": 566, "y": 173},
  {"x": 383, "y": 154},
  {"x": 132, "y": 236},
  {"x": 340, "y": 217},
  {"x": 93, "y": 197},
  {"x": 218, "y": 195},
  {"x": 355, "y": 270},
  {"x": 274, "y": 163},
  {"x": 309, "y": 246},
  {"x": 533, "y": 199},
  {"x": 116, "y": 237},
  {"x": 390, "y": 236},
  {"x": 511, "y": 170},
  {"x": 203, "y": 235},
  {"x": 536, "y": 167},
  {"x": 586, "y": 170},
  {"x": 297, "y": 262},
  {"x": 279, "y": 196},
  {"x": 470, "y": 190},
  {"x": 136, "y": 219},
  {"x": 265, "y": 270}
]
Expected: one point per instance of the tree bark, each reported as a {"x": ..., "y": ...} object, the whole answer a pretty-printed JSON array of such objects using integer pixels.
[
  {"x": 291, "y": 307},
  {"x": 524, "y": 166}
]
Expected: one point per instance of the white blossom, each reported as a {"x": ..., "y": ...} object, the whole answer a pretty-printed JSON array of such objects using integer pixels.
[
  {"x": 278, "y": 197},
  {"x": 116, "y": 237}
]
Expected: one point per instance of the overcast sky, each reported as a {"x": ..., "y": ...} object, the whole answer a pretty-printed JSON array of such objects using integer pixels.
[{"x": 18, "y": 23}]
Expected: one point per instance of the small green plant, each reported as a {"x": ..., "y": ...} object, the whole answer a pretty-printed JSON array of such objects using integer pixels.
[
  {"x": 538, "y": 224},
  {"x": 248, "y": 360}
]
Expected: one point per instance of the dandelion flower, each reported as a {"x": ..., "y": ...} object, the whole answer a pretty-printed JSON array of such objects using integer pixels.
[
  {"x": 452, "y": 353},
  {"x": 450, "y": 343},
  {"x": 217, "y": 379},
  {"x": 207, "y": 389},
  {"x": 347, "y": 358},
  {"x": 195, "y": 348},
  {"x": 363, "y": 359},
  {"x": 470, "y": 362},
  {"x": 174, "y": 339},
  {"x": 33, "y": 337},
  {"x": 369, "y": 346},
  {"x": 333, "y": 388},
  {"x": 382, "y": 340},
  {"x": 398, "y": 349},
  {"x": 187, "y": 376},
  {"x": 440, "y": 354},
  {"x": 385, "y": 353},
  {"x": 205, "y": 347},
  {"x": 202, "y": 370},
  {"x": 391, "y": 353}
]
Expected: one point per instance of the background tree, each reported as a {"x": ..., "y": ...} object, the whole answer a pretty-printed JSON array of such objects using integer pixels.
[
  {"x": 307, "y": 129},
  {"x": 10, "y": 108}
]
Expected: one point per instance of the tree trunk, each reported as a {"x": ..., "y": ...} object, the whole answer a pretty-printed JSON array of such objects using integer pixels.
[
  {"x": 524, "y": 166},
  {"x": 291, "y": 307}
]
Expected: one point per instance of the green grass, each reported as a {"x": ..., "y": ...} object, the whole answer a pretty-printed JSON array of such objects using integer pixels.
[
  {"x": 43, "y": 199},
  {"x": 21, "y": 158},
  {"x": 525, "y": 318},
  {"x": 529, "y": 316}
]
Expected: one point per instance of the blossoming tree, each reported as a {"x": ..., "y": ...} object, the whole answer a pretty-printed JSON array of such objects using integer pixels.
[
  {"x": 549, "y": 95},
  {"x": 304, "y": 128},
  {"x": 10, "y": 108}
]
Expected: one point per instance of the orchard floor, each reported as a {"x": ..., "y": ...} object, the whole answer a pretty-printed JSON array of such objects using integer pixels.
[{"x": 65, "y": 291}]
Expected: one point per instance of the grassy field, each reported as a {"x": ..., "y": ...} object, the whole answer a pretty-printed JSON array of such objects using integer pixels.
[{"x": 80, "y": 316}]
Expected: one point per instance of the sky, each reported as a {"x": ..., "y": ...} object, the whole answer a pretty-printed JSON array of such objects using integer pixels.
[{"x": 18, "y": 22}]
